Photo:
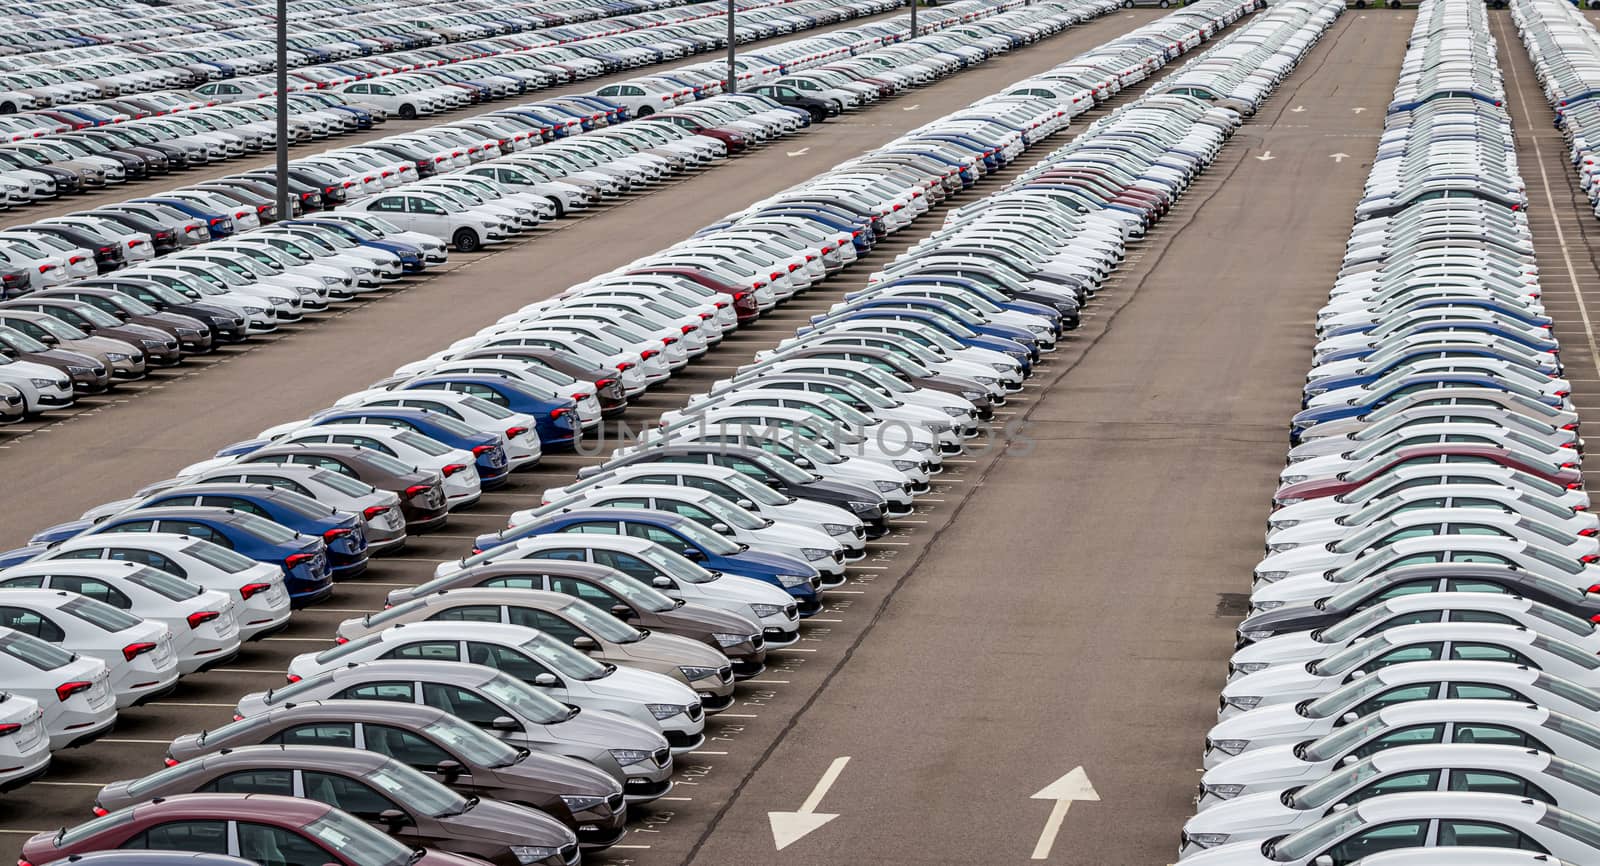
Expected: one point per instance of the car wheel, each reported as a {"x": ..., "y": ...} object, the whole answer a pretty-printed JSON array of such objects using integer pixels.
[
  {"x": 818, "y": 115},
  {"x": 644, "y": 111},
  {"x": 1361, "y": 4},
  {"x": 1127, "y": 4},
  {"x": 561, "y": 209},
  {"x": 408, "y": 112},
  {"x": 1165, "y": 4},
  {"x": 465, "y": 241},
  {"x": 8, "y": 108}
]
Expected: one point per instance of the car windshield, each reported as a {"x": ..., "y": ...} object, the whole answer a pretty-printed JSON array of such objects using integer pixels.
[
  {"x": 1335, "y": 702},
  {"x": 1352, "y": 656},
  {"x": 1310, "y": 841},
  {"x": 468, "y": 741},
  {"x": 20, "y": 341},
  {"x": 567, "y": 661},
  {"x": 96, "y": 316},
  {"x": 705, "y": 539},
  {"x": 99, "y": 614},
  {"x": 1336, "y": 744},
  {"x": 676, "y": 566},
  {"x": 729, "y": 513},
  {"x": 1350, "y": 626},
  {"x": 419, "y": 442},
  {"x": 343, "y": 483},
  {"x": 164, "y": 584},
  {"x": 637, "y": 593},
  {"x": 754, "y": 491},
  {"x": 601, "y": 623},
  {"x": 1329, "y": 788},
  {"x": 356, "y": 841},
  {"x": 534, "y": 706},
  {"x": 417, "y": 791},
  {"x": 34, "y": 652},
  {"x": 266, "y": 529}
]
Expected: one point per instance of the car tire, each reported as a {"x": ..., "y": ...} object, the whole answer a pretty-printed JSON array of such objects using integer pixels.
[
  {"x": 644, "y": 111},
  {"x": 1361, "y": 4},
  {"x": 818, "y": 115},
  {"x": 1165, "y": 4},
  {"x": 555, "y": 202},
  {"x": 1127, "y": 4},
  {"x": 408, "y": 112},
  {"x": 466, "y": 241},
  {"x": 8, "y": 108}
]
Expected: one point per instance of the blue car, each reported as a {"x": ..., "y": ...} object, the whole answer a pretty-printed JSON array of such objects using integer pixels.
[
  {"x": 219, "y": 225},
  {"x": 557, "y": 417},
  {"x": 1500, "y": 310},
  {"x": 680, "y": 535},
  {"x": 304, "y": 558},
  {"x": 1467, "y": 355},
  {"x": 411, "y": 260},
  {"x": 1307, "y": 418},
  {"x": 1446, "y": 326},
  {"x": 343, "y": 532},
  {"x": 960, "y": 334},
  {"x": 946, "y": 309},
  {"x": 487, "y": 450}
]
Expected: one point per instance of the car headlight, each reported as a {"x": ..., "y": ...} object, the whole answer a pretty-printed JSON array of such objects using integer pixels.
[
  {"x": 667, "y": 711},
  {"x": 903, "y": 466},
  {"x": 956, "y": 411},
  {"x": 792, "y": 580},
  {"x": 987, "y": 380},
  {"x": 331, "y": 281},
  {"x": 360, "y": 270},
  {"x": 45, "y": 383},
  {"x": 1230, "y": 747},
  {"x": 1226, "y": 792},
  {"x": 116, "y": 356},
  {"x": 490, "y": 225},
  {"x": 629, "y": 757},
  {"x": 886, "y": 486},
  {"x": 1293, "y": 500},
  {"x": 1261, "y": 634},
  {"x": 1271, "y": 576},
  {"x": 582, "y": 803},
  {"x": 1292, "y": 479},
  {"x": 79, "y": 371},
  {"x": 1249, "y": 667},
  {"x": 1242, "y": 702},
  {"x": 532, "y": 853},
  {"x": 1208, "y": 840},
  {"x": 812, "y": 554},
  {"x": 255, "y": 311},
  {"x": 1003, "y": 368},
  {"x": 1267, "y": 605},
  {"x": 692, "y": 673},
  {"x": 762, "y": 611},
  {"x": 835, "y": 528},
  {"x": 727, "y": 639},
  {"x": 861, "y": 507},
  {"x": 1282, "y": 524}
]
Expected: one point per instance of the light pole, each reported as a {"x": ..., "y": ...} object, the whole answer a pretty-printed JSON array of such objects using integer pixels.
[
  {"x": 282, "y": 176},
  {"x": 914, "y": 4},
  {"x": 733, "y": 75}
]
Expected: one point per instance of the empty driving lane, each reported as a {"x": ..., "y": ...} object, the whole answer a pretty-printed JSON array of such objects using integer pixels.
[
  {"x": 166, "y": 426},
  {"x": 1566, "y": 235},
  {"x": 1078, "y": 609}
]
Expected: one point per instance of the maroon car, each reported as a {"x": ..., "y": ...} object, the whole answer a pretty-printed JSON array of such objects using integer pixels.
[
  {"x": 744, "y": 300},
  {"x": 1443, "y": 454},
  {"x": 421, "y": 491},
  {"x": 270, "y": 830}
]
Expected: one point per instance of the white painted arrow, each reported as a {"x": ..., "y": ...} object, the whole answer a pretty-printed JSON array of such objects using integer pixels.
[
  {"x": 1266, "y": 156},
  {"x": 1298, "y": 108},
  {"x": 801, "y": 152},
  {"x": 1073, "y": 786},
  {"x": 1339, "y": 157},
  {"x": 912, "y": 107},
  {"x": 789, "y": 827},
  {"x": 1358, "y": 109}
]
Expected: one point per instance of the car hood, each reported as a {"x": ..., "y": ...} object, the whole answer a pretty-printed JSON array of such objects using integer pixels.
[
  {"x": 1267, "y": 769},
  {"x": 701, "y": 618},
  {"x": 505, "y": 824},
  {"x": 1254, "y": 815},
  {"x": 606, "y": 731},
  {"x": 668, "y": 649}
]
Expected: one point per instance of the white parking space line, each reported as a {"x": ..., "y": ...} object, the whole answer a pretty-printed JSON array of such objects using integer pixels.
[{"x": 768, "y": 682}]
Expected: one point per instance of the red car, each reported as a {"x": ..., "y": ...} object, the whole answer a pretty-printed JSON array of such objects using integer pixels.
[
  {"x": 267, "y": 829},
  {"x": 1567, "y": 476},
  {"x": 744, "y": 300}
]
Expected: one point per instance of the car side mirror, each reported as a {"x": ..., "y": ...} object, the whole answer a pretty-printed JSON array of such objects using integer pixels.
[
  {"x": 1340, "y": 807},
  {"x": 1347, "y": 760},
  {"x": 802, "y": 462},
  {"x": 48, "y": 339},
  {"x": 394, "y": 817},
  {"x": 1357, "y": 674},
  {"x": 622, "y": 611},
  {"x": 661, "y": 581},
  {"x": 8, "y": 351},
  {"x": 585, "y": 643},
  {"x": 747, "y": 505},
  {"x": 721, "y": 528},
  {"x": 545, "y": 680},
  {"x": 693, "y": 554},
  {"x": 449, "y": 769},
  {"x": 505, "y": 723},
  {"x": 1323, "y": 860},
  {"x": 1349, "y": 717}
]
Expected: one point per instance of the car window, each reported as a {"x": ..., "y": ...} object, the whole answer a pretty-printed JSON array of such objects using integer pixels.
[
  {"x": 195, "y": 529},
  {"x": 235, "y": 502},
  {"x": 356, "y": 797},
  {"x": 98, "y": 590},
  {"x": 546, "y": 622},
  {"x": 595, "y": 595},
  {"x": 626, "y": 563},
  {"x": 1398, "y": 695},
  {"x": 404, "y": 746},
  {"x": 460, "y": 702},
  {"x": 1483, "y": 691},
  {"x": 202, "y": 837},
  {"x": 432, "y": 650},
  {"x": 1399, "y": 783},
  {"x": 1483, "y": 834},
  {"x": 280, "y": 782},
  {"x": 275, "y": 846},
  {"x": 1495, "y": 735},
  {"x": 1481, "y": 616},
  {"x": 470, "y": 613},
  {"x": 1482, "y": 652},
  {"x": 148, "y": 557},
  {"x": 31, "y": 623},
  {"x": 379, "y": 692},
  {"x": 325, "y": 734},
  {"x": 1495, "y": 782},
  {"x": 1384, "y": 837}
]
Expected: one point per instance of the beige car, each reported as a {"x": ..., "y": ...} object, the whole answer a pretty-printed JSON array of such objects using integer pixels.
[{"x": 573, "y": 621}]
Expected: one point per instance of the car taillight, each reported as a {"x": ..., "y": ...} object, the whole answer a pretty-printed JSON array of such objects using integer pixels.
[
  {"x": 333, "y": 535},
  {"x": 480, "y": 450},
  {"x": 341, "y": 641},
  {"x": 415, "y": 490},
  {"x": 68, "y": 689},
  {"x": 297, "y": 559},
  {"x": 9, "y": 728},
  {"x": 74, "y": 260},
  {"x": 514, "y": 432},
  {"x": 134, "y": 650},
  {"x": 1576, "y": 485},
  {"x": 774, "y": 276},
  {"x": 200, "y": 618},
  {"x": 136, "y": 242},
  {"x": 250, "y": 589},
  {"x": 453, "y": 469},
  {"x": 1589, "y": 558},
  {"x": 107, "y": 250},
  {"x": 647, "y": 354},
  {"x": 624, "y": 366},
  {"x": 687, "y": 328},
  {"x": 99, "y": 812},
  {"x": 293, "y": 678},
  {"x": 171, "y": 761},
  {"x": 45, "y": 269}
]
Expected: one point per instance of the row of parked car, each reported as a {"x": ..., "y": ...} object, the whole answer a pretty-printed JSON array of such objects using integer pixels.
[
  {"x": 612, "y": 619},
  {"x": 1565, "y": 50},
  {"x": 88, "y": 145},
  {"x": 1418, "y": 667},
  {"x": 106, "y": 294}
]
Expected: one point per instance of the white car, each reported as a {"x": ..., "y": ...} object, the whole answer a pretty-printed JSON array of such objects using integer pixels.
[
  {"x": 537, "y": 659},
  {"x": 256, "y": 588},
  {"x": 429, "y": 212},
  {"x": 24, "y": 742},
  {"x": 74, "y": 691},
  {"x": 1292, "y": 723},
  {"x": 1474, "y": 641},
  {"x": 204, "y": 629},
  {"x": 462, "y": 485},
  {"x": 1456, "y": 767},
  {"x": 1300, "y": 647},
  {"x": 518, "y": 432},
  {"x": 1534, "y": 506},
  {"x": 1401, "y": 478},
  {"x": 138, "y": 653}
]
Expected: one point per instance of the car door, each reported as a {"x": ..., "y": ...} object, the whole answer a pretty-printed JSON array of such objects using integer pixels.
[
  {"x": 341, "y": 734},
  {"x": 427, "y": 216},
  {"x": 393, "y": 209},
  {"x": 356, "y": 797},
  {"x": 427, "y": 650},
  {"x": 194, "y": 529},
  {"x": 268, "y": 845},
  {"x": 31, "y": 622},
  {"x": 199, "y": 837}
]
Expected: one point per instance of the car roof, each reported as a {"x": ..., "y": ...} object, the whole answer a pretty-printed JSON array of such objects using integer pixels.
[
  {"x": 359, "y": 711},
  {"x": 496, "y": 595},
  {"x": 230, "y": 806},
  {"x": 359, "y": 760},
  {"x": 1475, "y": 755},
  {"x": 1452, "y": 804}
]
